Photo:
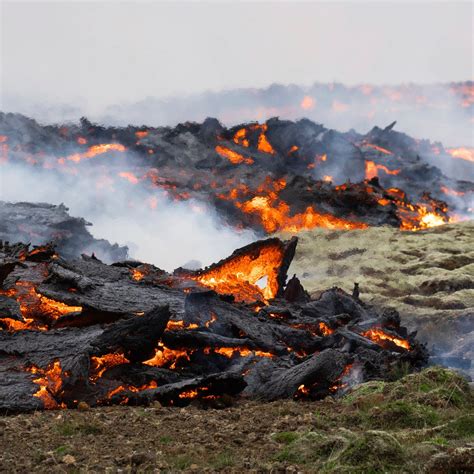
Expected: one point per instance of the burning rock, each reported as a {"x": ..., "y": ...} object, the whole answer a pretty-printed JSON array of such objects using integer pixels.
[
  {"x": 91, "y": 333},
  {"x": 274, "y": 176}
]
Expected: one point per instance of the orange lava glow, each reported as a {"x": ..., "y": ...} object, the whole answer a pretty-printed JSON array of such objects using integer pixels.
[
  {"x": 239, "y": 276},
  {"x": 275, "y": 216},
  {"x": 240, "y": 137},
  {"x": 292, "y": 150},
  {"x": 34, "y": 305},
  {"x": 230, "y": 352},
  {"x": 100, "y": 364},
  {"x": 263, "y": 143},
  {"x": 95, "y": 150},
  {"x": 233, "y": 156},
  {"x": 371, "y": 170},
  {"x": 325, "y": 329},
  {"x": 141, "y": 133},
  {"x": 136, "y": 274},
  {"x": 451, "y": 192},
  {"x": 188, "y": 394},
  {"x": 378, "y": 148},
  {"x": 378, "y": 336},
  {"x": 421, "y": 219},
  {"x": 464, "y": 153},
  {"x": 307, "y": 103},
  {"x": 165, "y": 357},
  {"x": 175, "y": 325},
  {"x": 130, "y": 177},
  {"x": 50, "y": 384},
  {"x": 14, "y": 325}
]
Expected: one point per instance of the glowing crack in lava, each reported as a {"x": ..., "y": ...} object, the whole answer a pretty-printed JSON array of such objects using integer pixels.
[
  {"x": 379, "y": 337},
  {"x": 245, "y": 275},
  {"x": 274, "y": 214},
  {"x": 35, "y": 307},
  {"x": 50, "y": 384},
  {"x": 232, "y": 155},
  {"x": 372, "y": 169},
  {"x": 93, "y": 151},
  {"x": 463, "y": 153}
]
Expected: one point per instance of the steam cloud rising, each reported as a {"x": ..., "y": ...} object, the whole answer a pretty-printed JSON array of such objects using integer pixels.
[{"x": 156, "y": 230}]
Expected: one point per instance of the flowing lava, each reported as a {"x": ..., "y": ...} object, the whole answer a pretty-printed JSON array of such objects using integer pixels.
[
  {"x": 169, "y": 358},
  {"x": 233, "y": 156},
  {"x": 100, "y": 364},
  {"x": 451, "y": 192},
  {"x": 276, "y": 217},
  {"x": 240, "y": 137},
  {"x": 379, "y": 337},
  {"x": 464, "y": 153},
  {"x": 274, "y": 214},
  {"x": 34, "y": 306},
  {"x": 50, "y": 384},
  {"x": 376, "y": 147},
  {"x": 93, "y": 151},
  {"x": 240, "y": 275},
  {"x": 371, "y": 170},
  {"x": 230, "y": 352},
  {"x": 307, "y": 103},
  {"x": 263, "y": 143}
]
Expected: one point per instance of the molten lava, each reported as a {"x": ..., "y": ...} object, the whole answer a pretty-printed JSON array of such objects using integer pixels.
[
  {"x": 34, "y": 306},
  {"x": 379, "y": 336},
  {"x": 100, "y": 364},
  {"x": 169, "y": 358},
  {"x": 93, "y": 151},
  {"x": 378, "y": 148},
  {"x": 464, "y": 153},
  {"x": 371, "y": 170},
  {"x": 50, "y": 384},
  {"x": 307, "y": 103},
  {"x": 240, "y": 137},
  {"x": 233, "y": 156},
  {"x": 242, "y": 276}
]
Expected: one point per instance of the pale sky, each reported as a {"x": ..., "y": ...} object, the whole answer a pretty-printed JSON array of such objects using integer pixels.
[{"x": 101, "y": 53}]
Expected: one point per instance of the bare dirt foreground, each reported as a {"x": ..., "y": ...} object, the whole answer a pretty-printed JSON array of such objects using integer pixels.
[{"x": 421, "y": 423}]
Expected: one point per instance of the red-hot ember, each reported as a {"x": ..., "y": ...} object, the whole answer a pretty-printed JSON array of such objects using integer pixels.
[
  {"x": 463, "y": 153},
  {"x": 379, "y": 336},
  {"x": 50, "y": 384},
  {"x": 233, "y": 156}
]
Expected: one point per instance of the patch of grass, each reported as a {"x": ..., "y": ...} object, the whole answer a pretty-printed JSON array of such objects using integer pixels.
[
  {"x": 403, "y": 414},
  {"x": 288, "y": 454},
  {"x": 373, "y": 451},
  {"x": 286, "y": 437},
  {"x": 62, "y": 450},
  {"x": 181, "y": 462},
  {"x": 165, "y": 439},
  {"x": 460, "y": 428},
  {"x": 70, "y": 428},
  {"x": 439, "y": 441},
  {"x": 223, "y": 460}
]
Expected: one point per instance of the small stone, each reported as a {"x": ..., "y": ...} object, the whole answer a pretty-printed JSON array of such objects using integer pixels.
[
  {"x": 68, "y": 459},
  {"x": 193, "y": 467},
  {"x": 83, "y": 406}
]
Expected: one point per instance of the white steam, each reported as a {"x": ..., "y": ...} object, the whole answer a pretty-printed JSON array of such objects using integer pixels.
[{"x": 156, "y": 229}]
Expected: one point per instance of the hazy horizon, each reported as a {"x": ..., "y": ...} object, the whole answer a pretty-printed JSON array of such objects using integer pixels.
[{"x": 96, "y": 54}]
